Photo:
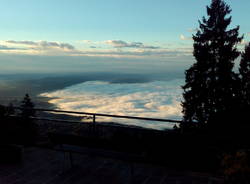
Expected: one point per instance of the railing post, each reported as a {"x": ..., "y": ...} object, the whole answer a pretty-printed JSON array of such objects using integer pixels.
[{"x": 94, "y": 123}]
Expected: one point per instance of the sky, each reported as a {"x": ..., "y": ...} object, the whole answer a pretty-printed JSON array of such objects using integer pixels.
[{"x": 113, "y": 30}]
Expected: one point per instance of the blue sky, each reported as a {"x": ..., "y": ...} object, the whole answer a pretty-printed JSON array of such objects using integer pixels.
[{"x": 155, "y": 29}]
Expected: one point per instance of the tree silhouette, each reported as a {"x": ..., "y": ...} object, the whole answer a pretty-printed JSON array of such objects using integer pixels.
[
  {"x": 29, "y": 127},
  {"x": 27, "y": 107},
  {"x": 245, "y": 75},
  {"x": 6, "y": 111},
  {"x": 209, "y": 90}
]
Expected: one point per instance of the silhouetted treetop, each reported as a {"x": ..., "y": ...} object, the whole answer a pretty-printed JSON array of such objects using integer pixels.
[
  {"x": 27, "y": 107},
  {"x": 245, "y": 75},
  {"x": 210, "y": 82}
]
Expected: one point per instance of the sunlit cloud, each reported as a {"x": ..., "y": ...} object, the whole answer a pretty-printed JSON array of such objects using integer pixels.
[
  {"x": 137, "y": 53},
  {"x": 6, "y": 48},
  {"x": 21, "y": 42},
  {"x": 43, "y": 44},
  {"x": 118, "y": 49},
  {"x": 87, "y": 41},
  {"x": 123, "y": 44},
  {"x": 36, "y": 47}
]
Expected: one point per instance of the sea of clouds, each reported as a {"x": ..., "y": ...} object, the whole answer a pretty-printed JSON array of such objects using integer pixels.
[{"x": 157, "y": 99}]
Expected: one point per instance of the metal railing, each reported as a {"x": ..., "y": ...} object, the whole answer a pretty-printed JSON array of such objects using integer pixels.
[{"x": 95, "y": 115}]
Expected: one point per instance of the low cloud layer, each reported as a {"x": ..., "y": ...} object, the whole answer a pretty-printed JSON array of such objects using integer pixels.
[
  {"x": 123, "y": 44},
  {"x": 118, "y": 49},
  {"x": 43, "y": 44},
  {"x": 139, "y": 53},
  {"x": 6, "y": 48},
  {"x": 160, "y": 99}
]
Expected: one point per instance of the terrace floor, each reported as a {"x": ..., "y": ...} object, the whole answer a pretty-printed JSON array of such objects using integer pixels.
[{"x": 44, "y": 166}]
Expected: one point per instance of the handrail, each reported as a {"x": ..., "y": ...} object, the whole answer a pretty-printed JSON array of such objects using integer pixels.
[{"x": 105, "y": 115}]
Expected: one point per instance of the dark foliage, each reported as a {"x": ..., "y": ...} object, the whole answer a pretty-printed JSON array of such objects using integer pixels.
[
  {"x": 210, "y": 89},
  {"x": 18, "y": 129},
  {"x": 236, "y": 167},
  {"x": 27, "y": 107},
  {"x": 245, "y": 75},
  {"x": 7, "y": 125},
  {"x": 6, "y": 111},
  {"x": 28, "y": 125}
]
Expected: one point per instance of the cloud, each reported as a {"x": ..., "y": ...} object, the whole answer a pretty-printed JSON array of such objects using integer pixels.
[
  {"x": 86, "y": 41},
  {"x": 36, "y": 47},
  {"x": 56, "y": 44},
  {"x": 21, "y": 42},
  {"x": 120, "y": 43},
  {"x": 43, "y": 44},
  {"x": 120, "y": 49},
  {"x": 3, "y": 47},
  {"x": 137, "y": 53},
  {"x": 182, "y": 37},
  {"x": 123, "y": 44},
  {"x": 159, "y": 99}
]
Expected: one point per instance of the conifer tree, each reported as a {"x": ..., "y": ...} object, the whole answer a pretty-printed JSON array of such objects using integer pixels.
[
  {"x": 245, "y": 76},
  {"x": 27, "y": 107},
  {"x": 29, "y": 127},
  {"x": 209, "y": 88}
]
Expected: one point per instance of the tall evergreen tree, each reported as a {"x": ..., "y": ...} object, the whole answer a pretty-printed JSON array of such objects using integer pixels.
[
  {"x": 209, "y": 88},
  {"x": 245, "y": 75}
]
